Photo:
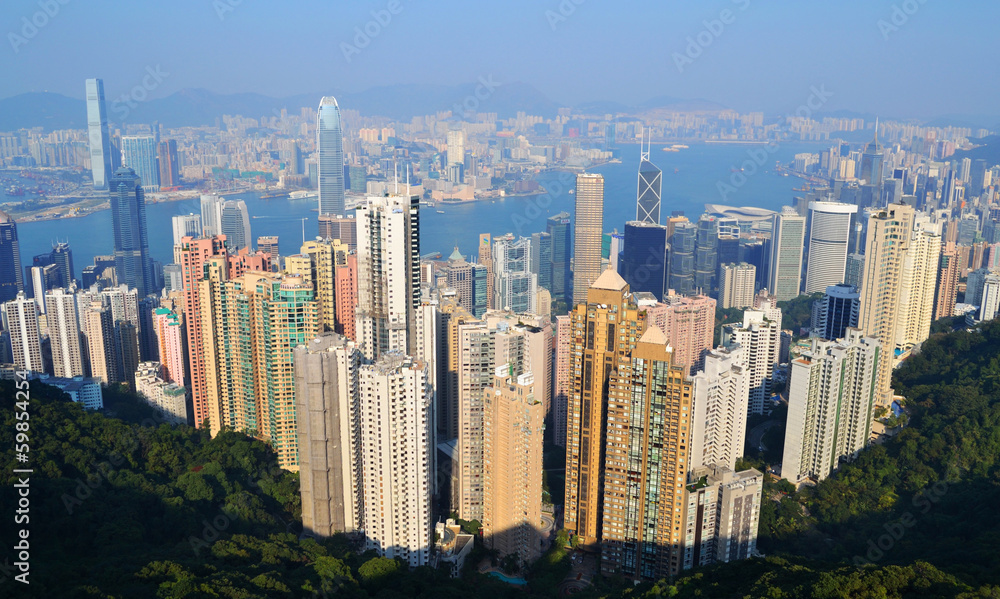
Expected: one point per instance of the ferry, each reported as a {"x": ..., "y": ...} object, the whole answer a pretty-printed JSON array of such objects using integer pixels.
[
  {"x": 572, "y": 191},
  {"x": 440, "y": 211}
]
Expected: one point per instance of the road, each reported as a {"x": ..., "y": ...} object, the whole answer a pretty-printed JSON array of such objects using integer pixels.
[{"x": 756, "y": 435}]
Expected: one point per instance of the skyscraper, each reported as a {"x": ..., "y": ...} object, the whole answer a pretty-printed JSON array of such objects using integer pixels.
[
  {"x": 11, "y": 278},
  {"x": 101, "y": 162},
  {"x": 839, "y": 311},
  {"x": 644, "y": 261},
  {"x": 918, "y": 282},
  {"x": 788, "y": 231},
  {"x": 99, "y": 334},
  {"x": 330, "y": 458},
  {"x": 388, "y": 274},
  {"x": 20, "y": 317},
  {"x": 344, "y": 228},
  {"x": 64, "y": 334},
  {"x": 736, "y": 287},
  {"x": 486, "y": 259},
  {"x": 513, "y": 424},
  {"x": 324, "y": 258},
  {"x": 209, "y": 215},
  {"x": 587, "y": 232},
  {"x": 186, "y": 225},
  {"x": 139, "y": 153},
  {"x": 719, "y": 406},
  {"x": 234, "y": 222},
  {"x": 889, "y": 232},
  {"x": 169, "y": 332},
  {"x": 562, "y": 378},
  {"x": 128, "y": 218},
  {"x": 947, "y": 286},
  {"x": 682, "y": 245},
  {"x": 330, "y": 144},
  {"x": 706, "y": 255},
  {"x": 170, "y": 175},
  {"x": 648, "y": 194},
  {"x": 723, "y": 509},
  {"x": 558, "y": 228},
  {"x": 829, "y": 235},
  {"x": 689, "y": 324},
  {"x": 872, "y": 159},
  {"x": 760, "y": 337},
  {"x": 514, "y": 285},
  {"x": 269, "y": 245},
  {"x": 456, "y": 147},
  {"x": 831, "y": 396},
  {"x": 395, "y": 421},
  {"x": 606, "y": 328}
]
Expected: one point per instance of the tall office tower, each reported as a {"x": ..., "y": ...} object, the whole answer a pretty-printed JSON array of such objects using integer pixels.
[
  {"x": 99, "y": 335},
  {"x": 100, "y": 140},
  {"x": 644, "y": 261},
  {"x": 558, "y": 228},
  {"x": 947, "y": 285},
  {"x": 62, "y": 256},
  {"x": 173, "y": 279},
  {"x": 964, "y": 169},
  {"x": 515, "y": 287},
  {"x": 977, "y": 179},
  {"x": 388, "y": 274},
  {"x": 169, "y": 331},
  {"x": 469, "y": 280},
  {"x": 682, "y": 245},
  {"x": 918, "y": 282},
  {"x": 139, "y": 155},
  {"x": 737, "y": 285},
  {"x": 210, "y": 214},
  {"x": 562, "y": 378},
  {"x": 587, "y": 231},
  {"x": 170, "y": 174},
  {"x": 760, "y": 337},
  {"x": 889, "y": 233},
  {"x": 689, "y": 324},
  {"x": 829, "y": 234},
  {"x": 788, "y": 231},
  {"x": 720, "y": 402},
  {"x": 541, "y": 258},
  {"x": 456, "y": 146},
  {"x": 831, "y": 397},
  {"x": 64, "y": 334},
  {"x": 234, "y": 223},
  {"x": 168, "y": 398},
  {"x": 872, "y": 159},
  {"x": 645, "y": 466},
  {"x": 269, "y": 245},
  {"x": 486, "y": 259},
  {"x": 606, "y": 328},
  {"x": 128, "y": 217},
  {"x": 43, "y": 278},
  {"x": 330, "y": 460},
  {"x": 512, "y": 506},
  {"x": 346, "y": 279},
  {"x": 20, "y": 317},
  {"x": 344, "y": 228},
  {"x": 974, "y": 286},
  {"x": 839, "y": 311},
  {"x": 395, "y": 417},
  {"x": 186, "y": 225},
  {"x": 330, "y": 143},
  {"x": 648, "y": 194},
  {"x": 757, "y": 253},
  {"x": 723, "y": 512},
  {"x": 11, "y": 277},
  {"x": 706, "y": 249},
  {"x": 324, "y": 257}
]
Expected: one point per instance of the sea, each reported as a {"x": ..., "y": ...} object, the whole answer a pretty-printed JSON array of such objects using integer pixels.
[{"x": 735, "y": 174}]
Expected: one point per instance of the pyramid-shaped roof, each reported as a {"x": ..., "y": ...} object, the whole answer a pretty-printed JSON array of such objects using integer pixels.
[{"x": 609, "y": 280}]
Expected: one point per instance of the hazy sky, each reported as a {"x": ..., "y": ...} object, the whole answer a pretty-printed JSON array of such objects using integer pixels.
[{"x": 927, "y": 58}]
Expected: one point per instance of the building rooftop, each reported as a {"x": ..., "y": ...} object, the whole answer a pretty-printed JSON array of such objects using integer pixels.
[{"x": 609, "y": 280}]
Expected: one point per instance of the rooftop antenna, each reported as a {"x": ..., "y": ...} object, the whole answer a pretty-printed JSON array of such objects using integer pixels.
[
  {"x": 395, "y": 177},
  {"x": 407, "y": 181}
]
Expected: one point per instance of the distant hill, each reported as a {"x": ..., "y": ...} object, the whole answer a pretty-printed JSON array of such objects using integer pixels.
[
  {"x": 989, "y": 151},
  {"x": 42, "y": 109}
]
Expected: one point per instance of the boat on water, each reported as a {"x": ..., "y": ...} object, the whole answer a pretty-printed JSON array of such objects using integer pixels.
[
  {"x": 572, "y": 191},
  {"x": 440, "y": 211}
]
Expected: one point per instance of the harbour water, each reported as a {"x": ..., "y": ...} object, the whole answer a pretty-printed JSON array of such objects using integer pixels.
[{"x": 691, "y": 178}]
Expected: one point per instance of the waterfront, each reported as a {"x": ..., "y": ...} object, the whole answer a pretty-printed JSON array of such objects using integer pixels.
[{"x": 691, "y": 179}]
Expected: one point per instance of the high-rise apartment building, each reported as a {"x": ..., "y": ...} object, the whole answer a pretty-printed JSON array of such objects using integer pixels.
[
  {"x": 11, "y": 278},
  {"x": 20, "y": 317},
  {"x": 486, "y": 259},
  {"x": 269, "y": 245},
  {"x": 186, "y": 225},
  {"x": 829, "y": 234},
  {"x": 831, "y": 399},
  {"x": 737, "y": 285},
  {"x": 788, "y": 231},
  {"x": 99, "y": 335},
  {"x": 168, "y": 398},
  {"x": 330, "y": 144},
  {"x": 388, "y": 274},
  {"x": 396, "y": 437},
  {"x": 456, "y": 147},
  {"x": 169, "y": 332},
  {"x": 562, "y": 378},
  {"x": 64, "y": 334},
  {"x": 918, "y": 282},
  {"x": 889, "y": 233},
  {"x": 513, "y": 425},
  {"x": 346, "y": 281},
  {"x": 947, "y": 285},
  {"x": 722, "y": 515},
  {"x": 325, "y": 256},
  {"x": 139, "y": 153},
  {"x": 101, "y": 161},
  {"x": 588, "y": 229},
  {"x": 515, "y": 287},
  {"x": 330, "y": 460},
  {"x": 344, "y": 228},
  {"x": 689, "y": 324},
  {"x": 719, "y": 406},
  {"x": 760, "y": 337},
  {"x": 133, "y": 265}
]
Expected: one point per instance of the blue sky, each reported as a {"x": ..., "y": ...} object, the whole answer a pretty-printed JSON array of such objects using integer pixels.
[{"x": 936, "y": 58}]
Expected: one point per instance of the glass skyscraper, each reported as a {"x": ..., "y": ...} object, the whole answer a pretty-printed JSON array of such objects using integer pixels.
[
  {"x": 558, "y": 228},
  {"x": 647, "y": 208},
  {"x": 644, "y": 260},
  {"x": 330, "y": 142},
  {"x": 139, "y": 153},
  {"x": 10, "y": 259},
  {"x": 100, "y": 140},
  {"x": 128, "y": 218}
]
